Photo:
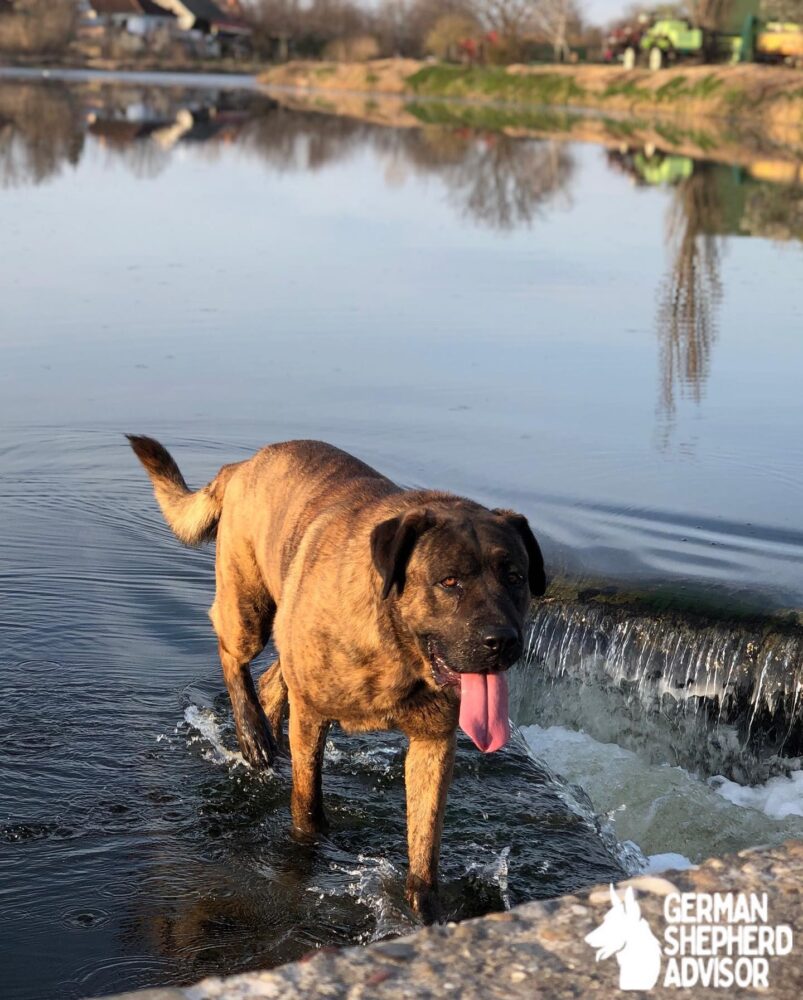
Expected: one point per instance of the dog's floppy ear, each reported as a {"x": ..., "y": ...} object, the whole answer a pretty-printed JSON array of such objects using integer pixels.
[
  {"x": 536, "y": 574},
  {"x": 392, "y": 543}
]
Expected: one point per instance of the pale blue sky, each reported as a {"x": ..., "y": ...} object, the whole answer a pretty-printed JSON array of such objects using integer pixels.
[{"x": 602, "y": 11}]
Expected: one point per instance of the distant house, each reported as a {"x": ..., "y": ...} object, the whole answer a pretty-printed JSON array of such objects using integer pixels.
[
  {"x": 209, "y": 17},
  {"x": 143, "y": 16},
  {"x": 140, "y": 17}
]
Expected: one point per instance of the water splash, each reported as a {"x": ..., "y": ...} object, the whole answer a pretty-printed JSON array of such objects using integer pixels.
[
  {"x": 494, "y": 872},
  {"x": 380, "y": 760},
  {"x": 370, "y": 882},
  {"x": 204, "y": 722}
]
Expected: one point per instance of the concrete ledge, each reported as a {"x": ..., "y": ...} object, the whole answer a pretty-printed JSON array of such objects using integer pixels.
[{"x": 537, "y": 949}]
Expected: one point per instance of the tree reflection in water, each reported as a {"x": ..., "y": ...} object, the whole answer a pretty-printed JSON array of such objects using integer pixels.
[
  {"x": 496, "y": 180},
  {"x": 691, "y": 292},
  {"x": 41, "y": 130},
  {"x": 505, "y": 183},
  {"x": 493, "y": 179}
]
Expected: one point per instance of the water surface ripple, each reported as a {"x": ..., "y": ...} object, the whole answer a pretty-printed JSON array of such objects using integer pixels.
[{"x": 607, "y": 344}]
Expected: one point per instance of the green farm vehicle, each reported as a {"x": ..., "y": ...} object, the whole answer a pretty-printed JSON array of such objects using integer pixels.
[
  {"x": 739, "y": 37},
  {"x": 672, "y": 40}
]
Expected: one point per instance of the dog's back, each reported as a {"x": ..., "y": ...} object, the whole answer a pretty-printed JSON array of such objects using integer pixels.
[{"x": 299, "y": 477}]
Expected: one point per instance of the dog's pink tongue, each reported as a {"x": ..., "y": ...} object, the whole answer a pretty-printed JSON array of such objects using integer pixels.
[{"x": 483, "y": 710}]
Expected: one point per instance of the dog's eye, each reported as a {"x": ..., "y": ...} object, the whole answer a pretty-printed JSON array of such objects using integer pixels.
[
  {"x": 449, "y": 582},
  {"x": 515, "y": 578}
]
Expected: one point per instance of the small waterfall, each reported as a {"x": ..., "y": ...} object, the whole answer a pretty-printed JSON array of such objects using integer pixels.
[{"x": 729, "y": 682}]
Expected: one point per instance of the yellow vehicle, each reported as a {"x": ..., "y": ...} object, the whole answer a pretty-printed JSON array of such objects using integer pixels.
[{"x": 778, "y": 42}]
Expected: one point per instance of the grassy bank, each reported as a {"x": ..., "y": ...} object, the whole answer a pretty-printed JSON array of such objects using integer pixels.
[{"x": 771, "y": 95}]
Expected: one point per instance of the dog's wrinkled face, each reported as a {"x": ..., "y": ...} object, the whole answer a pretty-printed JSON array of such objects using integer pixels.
[{"x": 461, "y": 579}]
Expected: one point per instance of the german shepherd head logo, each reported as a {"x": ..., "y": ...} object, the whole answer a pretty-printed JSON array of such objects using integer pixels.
[{"x": 627, "y": 935}]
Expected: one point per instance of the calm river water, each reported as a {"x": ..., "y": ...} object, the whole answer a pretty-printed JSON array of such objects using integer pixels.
[{"x": 609, "y": 341}]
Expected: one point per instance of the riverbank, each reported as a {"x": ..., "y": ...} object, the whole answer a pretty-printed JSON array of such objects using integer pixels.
[
  {"x": 771, "y": 97},
  {"x": 777, "y": 159},
  {"x": 537, "y": 949},
  {"x": 81, "y": 63}
]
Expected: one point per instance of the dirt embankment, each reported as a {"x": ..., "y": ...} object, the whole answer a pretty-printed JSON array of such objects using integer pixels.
[{"x": 771, "y": 96}]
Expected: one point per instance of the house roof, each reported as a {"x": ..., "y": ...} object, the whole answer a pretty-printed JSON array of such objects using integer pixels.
[
  {"x": 154, "y": 9},
  {"x": 225, "y": 16},
  {"x": 132, "y": 7},
  {"x": 204, "y": 10}
]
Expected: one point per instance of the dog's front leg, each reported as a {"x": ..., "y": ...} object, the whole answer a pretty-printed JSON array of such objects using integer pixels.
[
  {"x": 253, "y": 730},
  {"x": 307, "y": 740},
  {"x": 427, "y": 776}
]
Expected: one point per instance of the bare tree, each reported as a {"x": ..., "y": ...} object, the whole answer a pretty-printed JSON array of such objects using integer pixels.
[
  {"x": 783, "y": 10},
  {"x": 445, "y": 37},
  {"x": 556, "y": 19},
  {"x": 29, "y": 27},
  {"x": 288, "y": 27},
  {"x": 273, "y": 23},
  {"x": 510, "y": 19},
  {"x": 710, "y": 14},
  {"x": 395, "y": 28}
]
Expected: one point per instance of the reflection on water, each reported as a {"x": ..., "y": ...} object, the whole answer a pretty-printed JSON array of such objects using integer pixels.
[
  {"x": 690, "y": 296},
  {"x": 536, "y": 240},
  {"x": 41, "y": 131},
  {"x": 708, "y": 202},
  {"x": 493, "y": 179}
]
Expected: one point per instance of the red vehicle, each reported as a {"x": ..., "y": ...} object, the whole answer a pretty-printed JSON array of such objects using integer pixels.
[{"x": 624, "y": 39}]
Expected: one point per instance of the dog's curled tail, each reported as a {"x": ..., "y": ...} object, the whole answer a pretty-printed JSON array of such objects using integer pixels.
[{"x": 193, "y": 517}]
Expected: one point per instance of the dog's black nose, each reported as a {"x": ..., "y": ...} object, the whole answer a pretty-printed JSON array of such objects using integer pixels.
[{"x": 503, "y": 643}]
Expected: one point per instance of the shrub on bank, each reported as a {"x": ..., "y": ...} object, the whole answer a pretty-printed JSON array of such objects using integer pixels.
[
  {"x": 34, "y": 27},
  {"x": 360, "y": 48}
]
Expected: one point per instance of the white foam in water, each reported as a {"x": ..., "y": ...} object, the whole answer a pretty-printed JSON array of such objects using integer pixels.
[
  {"x": 368, "y": 885},
  {"x": 662, "y": 815},
  {"x": 380, "y": 759},
  {"x": 777, "y": 798},
  {"x": 204, "y": 722}
]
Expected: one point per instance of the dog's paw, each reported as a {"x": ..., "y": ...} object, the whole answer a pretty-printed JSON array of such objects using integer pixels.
[
  {"x": 423, "y": 900},
  {"x": 309, "y": 822},
  {"x": 257, "y": 743}
]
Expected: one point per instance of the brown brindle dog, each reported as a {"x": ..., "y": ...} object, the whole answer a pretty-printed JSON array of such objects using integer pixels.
[{"x": 390, "y": 609}]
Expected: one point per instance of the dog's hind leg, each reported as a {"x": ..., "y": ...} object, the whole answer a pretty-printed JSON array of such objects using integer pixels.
[
  {"x": 307, "y": 739},
  {"x": 273, "y": 698}
]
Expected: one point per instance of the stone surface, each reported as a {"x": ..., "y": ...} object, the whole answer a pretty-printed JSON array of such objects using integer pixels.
[{"x": 535, "y": 950}]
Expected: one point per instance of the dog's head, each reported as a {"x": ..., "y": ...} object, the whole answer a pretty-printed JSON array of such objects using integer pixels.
[{"x": 460, "y": 578}]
